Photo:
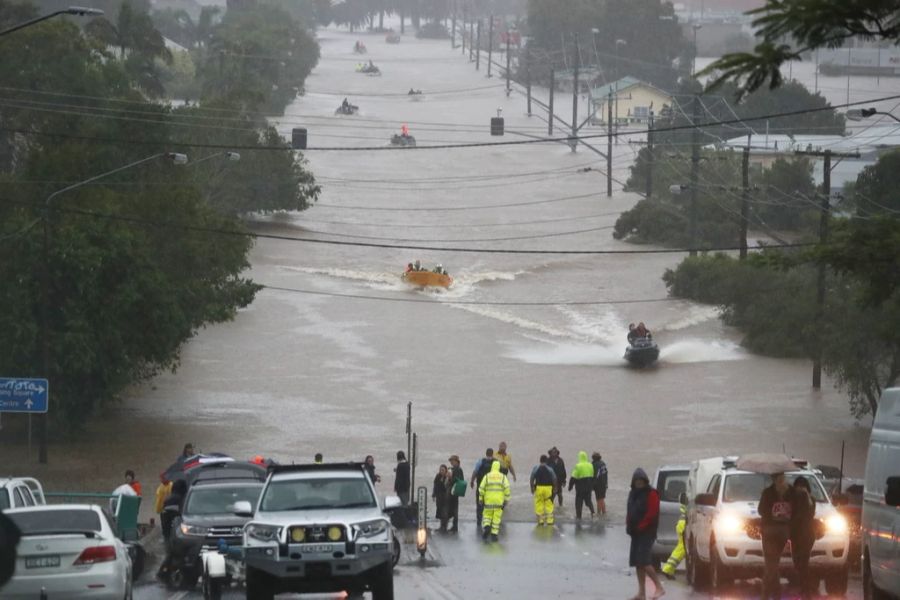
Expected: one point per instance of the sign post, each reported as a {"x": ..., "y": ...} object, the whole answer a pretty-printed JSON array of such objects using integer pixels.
[{"x": 24, "y": 395}]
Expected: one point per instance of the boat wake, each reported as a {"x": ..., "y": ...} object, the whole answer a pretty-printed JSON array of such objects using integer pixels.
[{"x": 580, "y": 354}]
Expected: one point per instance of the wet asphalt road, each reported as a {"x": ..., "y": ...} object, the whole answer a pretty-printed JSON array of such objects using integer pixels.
[{"x": 567, "y": 561}]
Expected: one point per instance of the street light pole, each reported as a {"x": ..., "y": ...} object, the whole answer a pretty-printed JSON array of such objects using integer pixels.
[
  {"x": 178, "y": 159},
  {"x": 80, "y": 11},
  {"x": 696, "y": 27}
]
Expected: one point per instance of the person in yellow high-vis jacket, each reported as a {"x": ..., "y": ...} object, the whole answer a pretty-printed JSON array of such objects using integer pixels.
[
  {"x": 493, "y": 494},
  {"x": 678, "y": 553}
]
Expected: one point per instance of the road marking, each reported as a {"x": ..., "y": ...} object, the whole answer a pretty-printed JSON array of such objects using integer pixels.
[{"x": 178, "y": 596}]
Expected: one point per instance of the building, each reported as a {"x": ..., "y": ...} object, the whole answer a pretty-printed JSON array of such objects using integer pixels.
[{"x": 632, "y": 101}]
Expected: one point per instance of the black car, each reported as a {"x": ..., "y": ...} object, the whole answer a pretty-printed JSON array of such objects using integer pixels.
[{"x": 207, "y": 517}]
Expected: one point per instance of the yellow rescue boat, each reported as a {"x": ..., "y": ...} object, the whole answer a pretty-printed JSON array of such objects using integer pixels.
[{"x": 427, "y": 279}]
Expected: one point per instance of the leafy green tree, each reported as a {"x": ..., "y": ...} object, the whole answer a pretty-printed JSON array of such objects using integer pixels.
[
  {"x": 785, "y": 196},
  {"x": 875, "y": 192},
  {"x": 177, "y": 25}
]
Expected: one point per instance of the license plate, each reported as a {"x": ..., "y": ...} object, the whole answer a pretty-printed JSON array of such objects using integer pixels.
[
  {"x": 317, "y": 548},
  {"x": 41, "y": 562}
]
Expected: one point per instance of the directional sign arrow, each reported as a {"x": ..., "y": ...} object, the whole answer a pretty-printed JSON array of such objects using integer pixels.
[{"x": 29, "y": 404}]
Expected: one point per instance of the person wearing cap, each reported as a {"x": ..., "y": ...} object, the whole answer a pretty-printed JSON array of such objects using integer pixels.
[{"x": 456, "y": 474}]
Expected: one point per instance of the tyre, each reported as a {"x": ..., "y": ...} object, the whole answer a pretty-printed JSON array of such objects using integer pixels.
[
  {"x": 698, "y": 573},
  {"x": 212, "y": 588},
  {"x": 836, "y": 582},
  {"x": 870, "y": 590},
  {"x": 719, "y": 575},
  {"x": 259, "y": 585},
  {"x": 383, "y": 583},
  {"x": 396, "y": 550}
]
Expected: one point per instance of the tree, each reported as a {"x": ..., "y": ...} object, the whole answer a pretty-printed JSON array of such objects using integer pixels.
[
  {"x": 177, "y": 25},
  {"x": 875, "y": 192},
  {"x": 812, "y": 24},
  {"x": 785, "y": 197}
]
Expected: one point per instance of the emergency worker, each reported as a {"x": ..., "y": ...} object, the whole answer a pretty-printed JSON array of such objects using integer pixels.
[
  {"x": 493, "y": 492},
  {"x": 678, "y": 553},
  {"x": 543, "y": 481}
]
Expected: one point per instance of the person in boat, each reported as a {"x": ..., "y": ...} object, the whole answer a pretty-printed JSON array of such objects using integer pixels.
[
  {"x": 409, "y": 268},
  {"x": 642, "y": 331},
  {"x": 632, "y": 334},
  {"x": 404, "y": 131},
  {"x": 345, "y": 105},
  {"x": 417, "y": 266},
  {"x": 371, "y": 65},
  {"x": 411, "y": 92}
]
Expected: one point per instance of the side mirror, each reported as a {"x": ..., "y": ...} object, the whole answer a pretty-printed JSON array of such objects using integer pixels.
[
  {"x": 892, "y": 491},
  {"x": 840, "y": 499},
  {"x": 243, "y": 509},
  {"x": 392, "y": 503},
  {"x": 706, "y": 500}
]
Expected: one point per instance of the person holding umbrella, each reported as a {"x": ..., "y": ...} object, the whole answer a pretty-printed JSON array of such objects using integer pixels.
[{"x": 775, "y": 511}]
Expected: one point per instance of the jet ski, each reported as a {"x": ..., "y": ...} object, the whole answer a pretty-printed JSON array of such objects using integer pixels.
[
  {"x": 359, "y": 48},
  {"x": 368, "y": 70},
  {"x": 415, "y": 95},
  {"x": 642, "y": 352},
  {"x": 350, "y": 109},
  {"x": 403, "y": 139},
  {"x": 392, "y": 38}
]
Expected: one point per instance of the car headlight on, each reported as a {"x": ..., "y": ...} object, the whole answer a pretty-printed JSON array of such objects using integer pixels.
[
  {"x": 335, "y": 533},
  {"x": 298, "y": 534},
  {"x": 263, "y": 533},
  {"x": 194, "y": 530},
  {"x": 836, "y": 524},
  {"x": 368, "y": 529},
  {"x": 729, "y": 524}
]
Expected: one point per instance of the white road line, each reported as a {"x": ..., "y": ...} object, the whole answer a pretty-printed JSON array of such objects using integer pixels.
[{"x": 178, "y": 596}]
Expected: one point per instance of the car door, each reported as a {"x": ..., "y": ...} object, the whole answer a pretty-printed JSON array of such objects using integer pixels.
[{"x": 707, "y": 513}]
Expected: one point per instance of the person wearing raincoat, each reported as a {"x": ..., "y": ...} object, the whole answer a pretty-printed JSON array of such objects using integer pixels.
[
  {"x": 583, "y": 481},
  {"x": 678, "y": 553},
  {"x": 543, "y": 482},
  {"x": 493, "y": 494}
]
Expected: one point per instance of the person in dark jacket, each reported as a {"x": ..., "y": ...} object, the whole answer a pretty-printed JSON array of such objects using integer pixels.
[
  {"x": 543, "y": 482},
  {"x": 440, "y": 491},
  {"x": 775, "y": 510},
  {"x": 803, "y": 534},
  {"x": 370, "y": 469},
  {"x": 641, "y": 524},
  {"x": 583, "y": 481},
  {"x": 172, "y": 508},
  {"x": 402, "y": 478},
  {"x": 601, "y": 482},
  {"x": 456, "y": 474},
  {"x": 559, "y": 467},
  {"x": 482, "y": 468}
]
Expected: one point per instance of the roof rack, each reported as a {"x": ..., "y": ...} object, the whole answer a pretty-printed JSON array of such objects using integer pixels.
[
  {"x": 729, "y": 462},
  {"x": 801, "y": 463},
  {"x": 343, "y": 466}
]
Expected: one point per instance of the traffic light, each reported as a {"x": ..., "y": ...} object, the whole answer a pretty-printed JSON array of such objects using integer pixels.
[
  {"x": 298, "y": 138},
  {"x": 496, "y": 125}
]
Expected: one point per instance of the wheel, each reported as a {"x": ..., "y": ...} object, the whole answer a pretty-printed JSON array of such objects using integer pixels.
[
  {"x": 212, "y": 588},
  {"x": 383, "y": 583},
  {"x": 870, "y": 590},
  {"x": 719, "y": 576},
  {"x": 698, "y": 573},
  {"x": 259, "y": 586},
  {"x": 395, "y": 558},
  {"x": 836, "y": 582}
]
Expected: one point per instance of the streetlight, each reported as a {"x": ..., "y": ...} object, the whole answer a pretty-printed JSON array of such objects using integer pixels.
[
  {"x": 78, "y": 11},
  {"x": 858, "y": 114},
  {"x": 176, "y": 158},
  {"x": 229, "y": 156}
]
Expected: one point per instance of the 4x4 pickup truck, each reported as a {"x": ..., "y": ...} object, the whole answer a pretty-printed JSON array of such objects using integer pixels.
[{"x": 318, "y": 529}]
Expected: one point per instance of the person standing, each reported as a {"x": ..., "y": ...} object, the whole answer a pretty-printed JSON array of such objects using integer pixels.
[
  {"x": 186, "y": 453},
  {"x": 601, "y": 482},
  {"x": 402, "y": 478},
  {"x": 457, "y": 480},
  {"x": 493, "y": 492},
  {"x": 440, "y": 491},
  {"x": 775, "y": 512},
  {"x": 505, "y": 459},
  {"x": 482, "y": 468},
  {"x": 162, "y": 492},
  {"x": 803, "y": 534},
  {"x": 133, "y": 482},
  {"x": 370, "y": 469},
  {"x": 543, "y": 482},
  {"x": 583, "y": 481},
  {"x": 679, "y": 552},
  {"x": 641, "y": 524},
  {"x": 559, "y": 467}
]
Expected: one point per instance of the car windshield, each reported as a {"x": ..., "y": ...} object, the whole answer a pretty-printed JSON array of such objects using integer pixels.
[
  {"x": 672, "y": 484},
  {"x": 36, "y": 522},
  {"x": 220, "y": 500},
  {"x": 748, "y": 487},
  {"x": 310, "y": 494}
]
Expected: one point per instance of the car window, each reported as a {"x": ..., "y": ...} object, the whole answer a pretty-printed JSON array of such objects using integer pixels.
[
  {"x": 4, "y": 499},
  {"x": 714, "y": 486},
  {"x": 18, "y": 501},
  {"x": 220, "y": 500},
  {"x": 42, "y": 521},
  {"x": 310, "y": 494},
  {"x": 671, "y": 484},
  {"x": 815, "y": 486}
]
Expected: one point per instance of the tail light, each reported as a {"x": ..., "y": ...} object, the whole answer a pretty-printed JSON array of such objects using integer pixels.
[{"x": 96, "y": 554}]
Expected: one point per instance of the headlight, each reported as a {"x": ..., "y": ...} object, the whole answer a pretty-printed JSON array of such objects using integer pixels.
[
  {"x": 298, "y": 534},
  {"x": 836, "y": 524},
  {"x": 263, "y": 533},
  {"x": 369, "y": 529},
  {"x": 335, "y": 533},
  {"x": 194, "y": 530},
  {"x": 729, "y": 524}
]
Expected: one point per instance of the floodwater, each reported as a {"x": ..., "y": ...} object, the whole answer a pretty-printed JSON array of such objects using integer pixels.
[{"x": 329, "y": 363}]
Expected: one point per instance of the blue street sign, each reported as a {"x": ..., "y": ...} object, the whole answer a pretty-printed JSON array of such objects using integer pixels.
[{"x": 24, "y": 395}]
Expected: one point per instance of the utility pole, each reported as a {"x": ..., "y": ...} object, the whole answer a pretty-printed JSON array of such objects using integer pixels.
[
  {"x": 552, "y": 91},
  {"x": 528, "y": 77},
  {"x": 453, "y": 29},
  {"x": 695, "y": 175},
  {"x": 824, "y": 216},
  {"x": 508, "y": 88},
  {"x": 575, "y": 85},
  {"x": 609, "y": 143},
  {"x": 745, "y": 200},
  {"x": 649, "y": 184},
  {"x": 490, "y": 45},
  {"x": 478, "y": 45},
  {"x": 462, "y": 32},
  {"x": 472, "y": 41}
]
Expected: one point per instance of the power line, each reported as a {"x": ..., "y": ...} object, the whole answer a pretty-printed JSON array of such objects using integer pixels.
[{"x": 437, "y": 241}]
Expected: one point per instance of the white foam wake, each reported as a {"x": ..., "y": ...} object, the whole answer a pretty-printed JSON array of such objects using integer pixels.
[{"x": 696, "y": 351}]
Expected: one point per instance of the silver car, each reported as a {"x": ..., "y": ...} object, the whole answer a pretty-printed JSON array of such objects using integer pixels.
[
  {"x": 318, "y": 529},
  {"x": 671, "y": 483}
]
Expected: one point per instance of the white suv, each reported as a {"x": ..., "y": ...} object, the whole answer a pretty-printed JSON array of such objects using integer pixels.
[
  {"x": 20, "y": 492},
  {"x": 318, "y": 529},
  {"x": 723, "y": 530}
]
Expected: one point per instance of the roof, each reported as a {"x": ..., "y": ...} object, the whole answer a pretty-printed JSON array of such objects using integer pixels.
[
  {"x": 622, "y": 85},
  {"x": 317, "y": 470}
]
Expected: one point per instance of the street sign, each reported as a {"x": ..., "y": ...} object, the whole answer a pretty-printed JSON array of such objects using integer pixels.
[{"x": 23, "y": 395}]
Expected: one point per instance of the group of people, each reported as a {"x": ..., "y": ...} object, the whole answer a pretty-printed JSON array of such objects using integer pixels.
[
  {"x": 359, "y": 47},
  {"x": 637, "y": 332},
  {"x": 417, "y": 266}
]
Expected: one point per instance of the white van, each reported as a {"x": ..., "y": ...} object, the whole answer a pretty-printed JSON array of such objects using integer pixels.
[{"x": 881, "y": 503}]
